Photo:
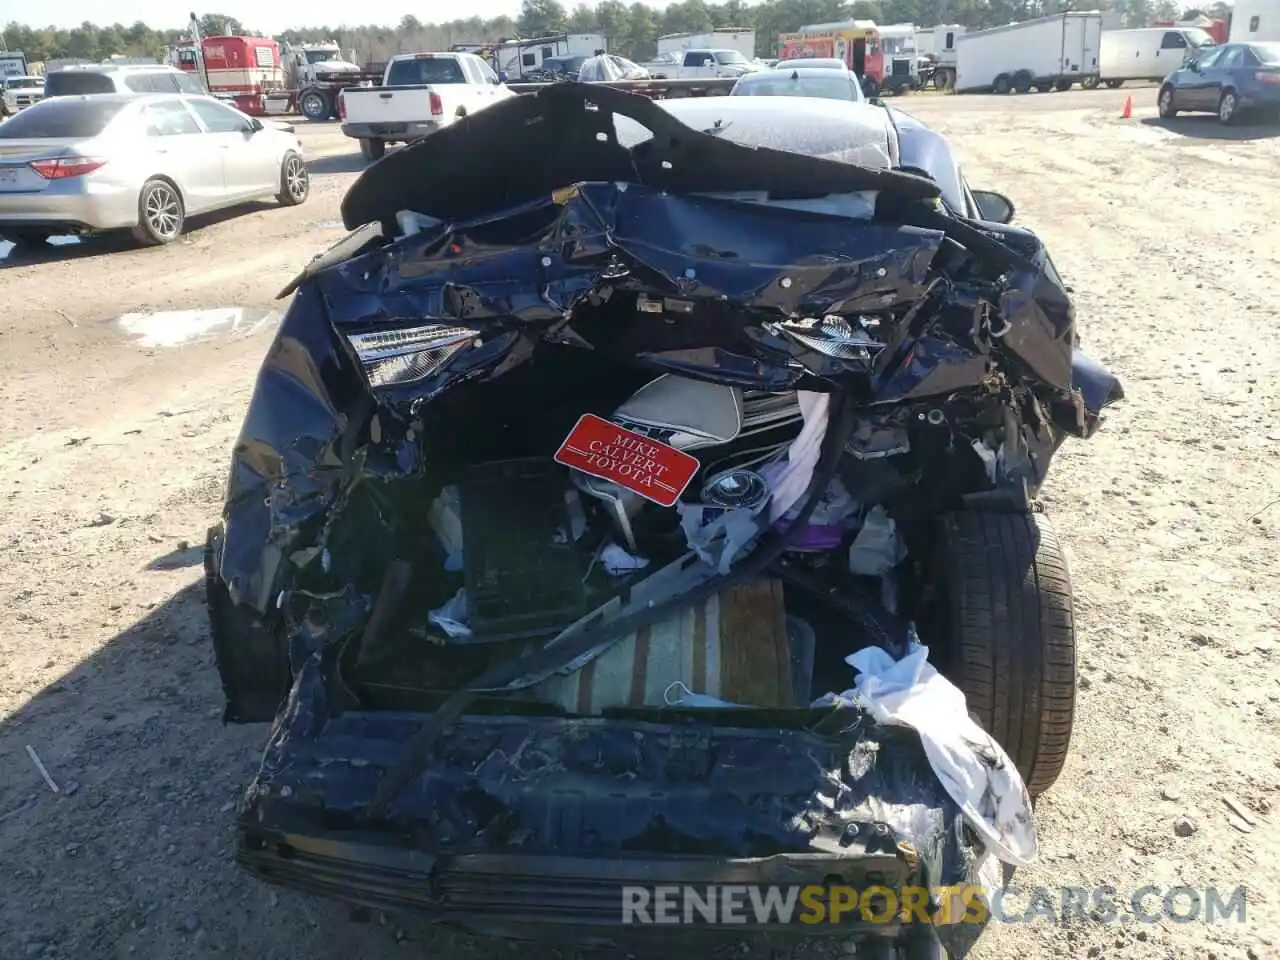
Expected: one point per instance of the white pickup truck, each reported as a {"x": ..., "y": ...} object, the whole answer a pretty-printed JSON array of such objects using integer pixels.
[
  {"x": 420, "y": 93},
  {"x": 700, "y": 64}
]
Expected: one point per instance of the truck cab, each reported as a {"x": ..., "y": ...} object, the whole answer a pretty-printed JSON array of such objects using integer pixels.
[
  {"x": 699, "y": 64},
  {"x": 314, "y": 74},
  {"x": 17, "y": 93}
]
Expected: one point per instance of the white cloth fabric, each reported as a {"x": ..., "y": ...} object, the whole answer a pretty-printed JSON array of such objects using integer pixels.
[
  {"x": 973, "y": 769},
  {"x": 789, "y": 478}
]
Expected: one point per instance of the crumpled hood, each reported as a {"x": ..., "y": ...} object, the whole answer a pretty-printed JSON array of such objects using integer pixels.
[{"x": 527, "y": 147}]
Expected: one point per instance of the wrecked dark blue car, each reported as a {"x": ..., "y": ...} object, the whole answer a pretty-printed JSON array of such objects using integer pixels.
[{"x": 578, "y": 469}]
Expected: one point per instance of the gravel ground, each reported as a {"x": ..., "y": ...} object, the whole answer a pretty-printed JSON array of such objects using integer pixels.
[{"x": 112, "y": 459}]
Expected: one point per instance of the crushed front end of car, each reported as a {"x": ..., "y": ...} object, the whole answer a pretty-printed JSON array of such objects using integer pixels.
[{"x": 568, "y": 485}]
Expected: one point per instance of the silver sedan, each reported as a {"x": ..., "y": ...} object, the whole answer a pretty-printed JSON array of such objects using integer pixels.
[
  {"x": 825, "y": 83},
  {"x": 82, "y": 165}
]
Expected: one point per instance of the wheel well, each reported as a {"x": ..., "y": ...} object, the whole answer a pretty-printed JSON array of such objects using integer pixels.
[
  {"x": 177, "y": 189},
  {"x": 285, "y": 159}
]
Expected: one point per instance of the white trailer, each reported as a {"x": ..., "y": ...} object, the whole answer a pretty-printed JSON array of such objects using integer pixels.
[
  {"x": 1255, "y": 21},
  {"x": 938, "y": 43},
  {"x": 742, "y": 39},
  {"x": 1048, "y": 53},
  {"x": 12, "y": 64},
  {"x": 518, "y": 58}
]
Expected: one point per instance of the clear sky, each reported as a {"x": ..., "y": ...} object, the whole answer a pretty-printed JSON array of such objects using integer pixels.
[{"x": 270, "y": 17}]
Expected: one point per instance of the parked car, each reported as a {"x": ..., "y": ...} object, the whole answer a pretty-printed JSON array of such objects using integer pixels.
[
  {"x": 607, "y": 67},
  {"x": 827, "y": 84},
  {"x": 89, "y": 164},
  {"x": 89, "y": 78},
  {"x": 869, "y": 87},
  {"x": 558, "y": 68},
  {"x": 811, "y": 63},
  {"x": 1230, "y": 80},
  {"x": 472, "y": 564}
]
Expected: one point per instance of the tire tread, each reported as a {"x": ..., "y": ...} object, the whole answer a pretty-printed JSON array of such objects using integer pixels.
[{"x": 1012, "y": 632}]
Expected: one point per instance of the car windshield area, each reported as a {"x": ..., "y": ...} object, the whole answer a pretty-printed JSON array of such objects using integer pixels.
[
  {"x": 321, "y": 56},
  {"x": 22, "y": 83},
  {"x": 1199, "y": 38},
  {"x": 1268, "y": 54},
  {"x": 810, "y": 63},
  {"x": 420, "y": 70},
  {"x": 61, "y": 120},
  {"x": 566, "y": 65},
  {"x": 730, "y": 57},
  {"x": 824, "y": 88},
  {"x": 68, "y": 83}
]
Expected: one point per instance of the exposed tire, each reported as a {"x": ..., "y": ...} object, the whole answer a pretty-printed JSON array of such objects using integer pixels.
[
  {"x": 1228, "y": 107},
  {"x": 161, "y": 215},
  {"x": 1062, "y": 86},
  {"x": 1022, "y": 81},
  {"x": 295, "y": 181},
  {"x": 1043, "y": 87},
  {"x": 252, "y": 660},
  {"x": 1002, "y": 84},
  {"x": 1002, "y": 617},
  {"x": 372, "y": 149},
  {"x": 1089, "y": 83},
  {"x": 1164, "y": 103},
  {"x": 1113, "y": 84},
  {"x": 315, "y": 105}
]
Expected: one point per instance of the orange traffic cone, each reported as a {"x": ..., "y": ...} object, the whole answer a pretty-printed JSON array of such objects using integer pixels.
[{"x": 1128, "y": 108}]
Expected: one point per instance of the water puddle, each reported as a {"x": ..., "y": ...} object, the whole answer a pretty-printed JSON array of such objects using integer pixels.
[
  {"x": 176, "y": 328},
  {"x": 6, "y": 246}
]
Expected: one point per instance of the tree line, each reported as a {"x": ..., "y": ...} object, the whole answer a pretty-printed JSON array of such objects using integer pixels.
[{"x": 631, "y": 29}]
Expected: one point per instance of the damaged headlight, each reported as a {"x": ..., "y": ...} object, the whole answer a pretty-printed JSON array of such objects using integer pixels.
[{"x": 407, "y": 354}]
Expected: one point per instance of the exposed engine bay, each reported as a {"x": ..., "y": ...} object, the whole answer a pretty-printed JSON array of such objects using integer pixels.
[{"x": 561, "y": 537}]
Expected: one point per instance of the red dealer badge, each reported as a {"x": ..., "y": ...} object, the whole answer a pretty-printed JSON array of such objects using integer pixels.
[{"x": 654, "y": 470}]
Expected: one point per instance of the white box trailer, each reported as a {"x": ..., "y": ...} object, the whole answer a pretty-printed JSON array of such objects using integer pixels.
[
  {"x": 1048, "y": 53},
  {"x": 742, "y": 39},
  {"x": 1255, "y": 21}
]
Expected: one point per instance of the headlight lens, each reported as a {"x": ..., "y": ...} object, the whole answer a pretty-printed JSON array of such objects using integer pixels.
[{"x": 405, "y": 355}]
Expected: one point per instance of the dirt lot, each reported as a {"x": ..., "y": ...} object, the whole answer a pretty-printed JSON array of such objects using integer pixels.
[{"x": 112, "y": 457}]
